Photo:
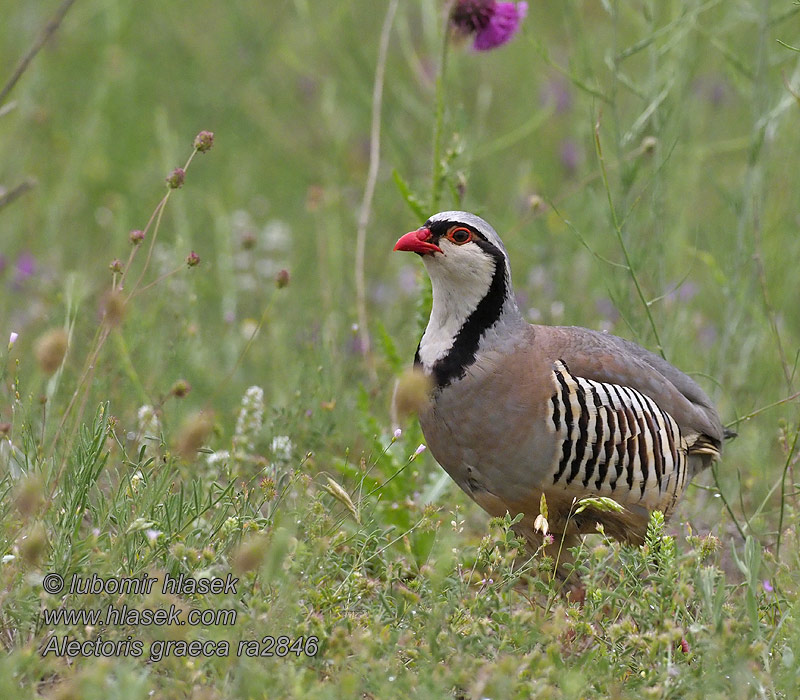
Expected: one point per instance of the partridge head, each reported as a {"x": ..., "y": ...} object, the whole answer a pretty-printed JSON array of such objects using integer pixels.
[{"x": 520, "y": 410}]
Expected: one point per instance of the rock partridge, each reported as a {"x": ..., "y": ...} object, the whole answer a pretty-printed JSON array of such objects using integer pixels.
[{"x": 519, "y": 410}]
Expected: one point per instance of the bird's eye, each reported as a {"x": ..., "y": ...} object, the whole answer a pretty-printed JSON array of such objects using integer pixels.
[{"x": 459, "y": 235}]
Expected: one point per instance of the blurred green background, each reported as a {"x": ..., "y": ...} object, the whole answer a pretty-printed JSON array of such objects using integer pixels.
[{"x": 698, "y": 130}]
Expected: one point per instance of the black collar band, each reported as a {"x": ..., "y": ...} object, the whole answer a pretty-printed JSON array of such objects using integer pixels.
[{"x": 465, "y": 345}]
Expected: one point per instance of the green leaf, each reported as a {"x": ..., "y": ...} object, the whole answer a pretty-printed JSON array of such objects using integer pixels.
[
  {"x": 389, "y": 349},
  {"x": 599, "y": 503},
  {"x": 414, "y": 203}
]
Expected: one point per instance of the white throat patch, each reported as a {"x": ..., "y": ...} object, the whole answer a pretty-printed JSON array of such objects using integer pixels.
[{"x": 457, "y": 291}]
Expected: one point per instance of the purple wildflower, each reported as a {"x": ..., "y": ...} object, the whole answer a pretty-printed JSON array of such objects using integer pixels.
[
  {"x": 204, "y": 141},
  {"x": 176, "y": 178},
  {"x": 570, "y": 155},
  {"x": 556, "y": 91},
  {"x": 492, "y": 23},
  {"x": 767, "y": 585},
  {"x": 25, "y": 267}
]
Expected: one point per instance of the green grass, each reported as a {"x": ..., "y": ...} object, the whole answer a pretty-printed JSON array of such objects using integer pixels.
[{"x": 640, "y": 162}]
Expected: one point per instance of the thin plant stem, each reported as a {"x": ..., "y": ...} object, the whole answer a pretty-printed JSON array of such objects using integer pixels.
[
  {"x": 44, "y": 36},
  {"x": 17, "y": 191},
  {"x": 156, "y": 281},
  {"x": 157, "y": 213},
  {"x": 369, "y": 189},
  {"x": 618, "y": 231},
  {"x": 786, "y": 470},
  {"x": 438, "y": 127},
  {"x": 103, "y": 332},
  {"x": 224, "y": 383},
  {"x": 725, "y": 502},
  {"x": 763, "y": 408}
]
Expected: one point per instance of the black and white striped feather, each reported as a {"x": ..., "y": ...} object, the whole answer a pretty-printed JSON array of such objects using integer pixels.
[{"x": 615, "y": 441}]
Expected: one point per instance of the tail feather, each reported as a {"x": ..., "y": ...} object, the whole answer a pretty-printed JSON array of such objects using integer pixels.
[
  {"x": 729, "y": 434},
  {"x": 705, "y": 445}
]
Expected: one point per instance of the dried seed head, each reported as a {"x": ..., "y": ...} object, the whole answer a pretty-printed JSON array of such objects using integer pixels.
[
  {"x": 34, "y": 545},
  {"x": 249, "y": 240},
  {"x": 649, "y": 144},
  {"x": 204, "y": 141},
  {"x": 51, "y": 347},
  {"x": 250, "y": 553},
  {"x": 193, "y": 433},
  {"x": 180, "y": 388},
  {"x": 176, "y": 178},
  {"x": 193, "y": 259},
  {"x": 340, "y": 494},
  {"x": 536, "y": 203},
  {"x": 28, "y": 495},
  {"x": 282, "y": 279},
  {"x": 112, "y": 307},
  {"x": 267, "y": 485},
  {"x": 411, "y": 394},
  {"x": 136, "y": 236}
]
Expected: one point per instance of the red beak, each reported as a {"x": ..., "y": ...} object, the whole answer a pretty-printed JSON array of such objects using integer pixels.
[{"x": 418, "y": 242}]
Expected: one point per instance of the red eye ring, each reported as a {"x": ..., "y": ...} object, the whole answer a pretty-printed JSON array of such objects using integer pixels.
[{"x": 459, "y": 235}]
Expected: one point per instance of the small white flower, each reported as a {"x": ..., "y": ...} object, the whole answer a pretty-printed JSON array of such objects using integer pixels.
[
  {"x": 12, "y": 339},
  {"x": 282, "y": 447},
  {"x": 397, "y": 434},
  {"x": 215, "y": 459},
  {"x": 148, "y": 421},
  {"x": 420, "y": 450},
  {"x": 136, "y": 481},
  {"x": 152, "y": 535},
  {"x": 149, "y": 429},
  {"x": 276, "y": 236},
  {"x": 248, "y": 328},
  {"x": 249, "y": 421},
  {"x": 541, "y": 524}
]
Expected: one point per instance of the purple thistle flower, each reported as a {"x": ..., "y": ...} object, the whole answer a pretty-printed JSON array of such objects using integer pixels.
[
  {"x": 502, "y": 26},
  {"x": 471, "y": 16},
  {"x": 493, "y": 23}
]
